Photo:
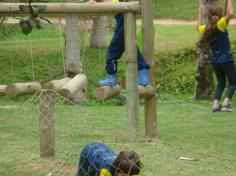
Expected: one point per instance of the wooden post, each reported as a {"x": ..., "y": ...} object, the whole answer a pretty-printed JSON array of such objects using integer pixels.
[
  {"x": 131, "y": 74},
  {"x": 149, "y": 55},
  {"x": 46, "y": 124}
]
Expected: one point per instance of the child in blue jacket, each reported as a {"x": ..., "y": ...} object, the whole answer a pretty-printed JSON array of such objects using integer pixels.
[
  {"x": 216, "y": 36},
  {"x": 115, "y": 50},
  {"x": 97, "y": 159}
]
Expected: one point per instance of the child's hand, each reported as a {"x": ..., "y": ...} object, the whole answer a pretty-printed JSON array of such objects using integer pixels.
[{"x": 92, "y": 1}]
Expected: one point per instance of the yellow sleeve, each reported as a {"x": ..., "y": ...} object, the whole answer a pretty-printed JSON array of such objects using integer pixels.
[
  {"x": 105, "y": 172},
  {"x": 201, "y": 29},
  {"x": 115, "y": 1},
  {"x": 222, "y": 24}
]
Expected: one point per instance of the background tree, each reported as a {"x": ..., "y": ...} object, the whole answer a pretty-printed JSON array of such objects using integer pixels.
[
  {"x": 204, "y": 73},
  {"x": 99, "y": 30}
]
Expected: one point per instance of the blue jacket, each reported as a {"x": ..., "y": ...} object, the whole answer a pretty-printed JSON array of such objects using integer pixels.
[{"x": 95, "y": 157}]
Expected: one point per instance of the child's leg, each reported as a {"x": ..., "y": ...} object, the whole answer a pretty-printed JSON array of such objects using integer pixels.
[
  {"x": 116, "y": 47},
  {"x": 220, "y": 76},
  {"x": 230, "y": 72},
  {"x": 143, "y": 78},
  {"x": 114, "y": 52}
]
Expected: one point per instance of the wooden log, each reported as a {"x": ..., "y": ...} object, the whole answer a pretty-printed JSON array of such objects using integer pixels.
[
  {"x": 65, "y": 9},
  {"x": 146, "y": 92},
  {"x": 72, "y": 45},
  {"x": 79, "y": 82},
  {"x": 46, "y": 124},
  {"x": 78, "y": 98},
  {"x": 105, "y": 92},
  {"x": 58, "y": 84},
  {"x": 22, "y": 88},
  {"x": 3, "y": 89}
]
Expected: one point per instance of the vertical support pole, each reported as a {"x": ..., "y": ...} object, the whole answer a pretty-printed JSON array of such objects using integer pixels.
[
  {"x": 46, "y": 124},
  {"x": 149, "y": 55},
  {"x": 131, "y": 74}
]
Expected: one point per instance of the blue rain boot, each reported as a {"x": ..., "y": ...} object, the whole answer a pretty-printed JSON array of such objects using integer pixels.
[
  {"x": 110, "y": 80},
  {"x": 143, "y": 79}
]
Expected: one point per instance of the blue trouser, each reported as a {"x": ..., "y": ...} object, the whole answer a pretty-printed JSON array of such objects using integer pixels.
[
  {"x": 223, "y": 71},
  {"x": 117, "y": 48}
]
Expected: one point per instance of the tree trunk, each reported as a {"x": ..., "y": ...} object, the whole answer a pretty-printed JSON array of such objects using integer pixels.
[
  {"x": 73, "y": 65},
  {"x": 73, "y": 62},
  {"x": 99, "y": 31},
  {"x": 204, "y": 73}
]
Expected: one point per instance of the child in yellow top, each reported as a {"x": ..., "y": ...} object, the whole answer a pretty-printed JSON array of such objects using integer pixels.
[{"x": 215, "y": 35}]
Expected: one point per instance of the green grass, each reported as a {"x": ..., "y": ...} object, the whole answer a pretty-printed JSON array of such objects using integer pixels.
[
  {"x": 175, "y": 9},
  {"x": 185, "y": 128}
]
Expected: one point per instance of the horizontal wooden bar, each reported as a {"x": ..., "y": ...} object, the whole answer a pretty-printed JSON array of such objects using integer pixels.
[{"x": 64, "y": 9}]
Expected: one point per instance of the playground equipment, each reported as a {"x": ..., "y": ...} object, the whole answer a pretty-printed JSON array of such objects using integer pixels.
[{"x": 68, "y": 87}]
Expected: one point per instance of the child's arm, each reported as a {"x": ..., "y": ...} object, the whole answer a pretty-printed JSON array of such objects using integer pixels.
[{"x": 229, "y": 11}]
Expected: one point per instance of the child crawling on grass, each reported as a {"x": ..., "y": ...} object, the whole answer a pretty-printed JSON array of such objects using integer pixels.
[{"x": 97, "y": 159}]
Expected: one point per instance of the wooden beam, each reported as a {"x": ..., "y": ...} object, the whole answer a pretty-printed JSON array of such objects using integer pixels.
[
  {"x": 131, "y": 75},
  {"x": 65, "y": 9},
  {"x": 149, "y": 54}
]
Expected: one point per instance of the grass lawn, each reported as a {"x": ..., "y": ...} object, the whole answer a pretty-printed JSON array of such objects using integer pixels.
[
  {"x": 185, "y": 129},
  {"x": 175, "y": 9}
]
